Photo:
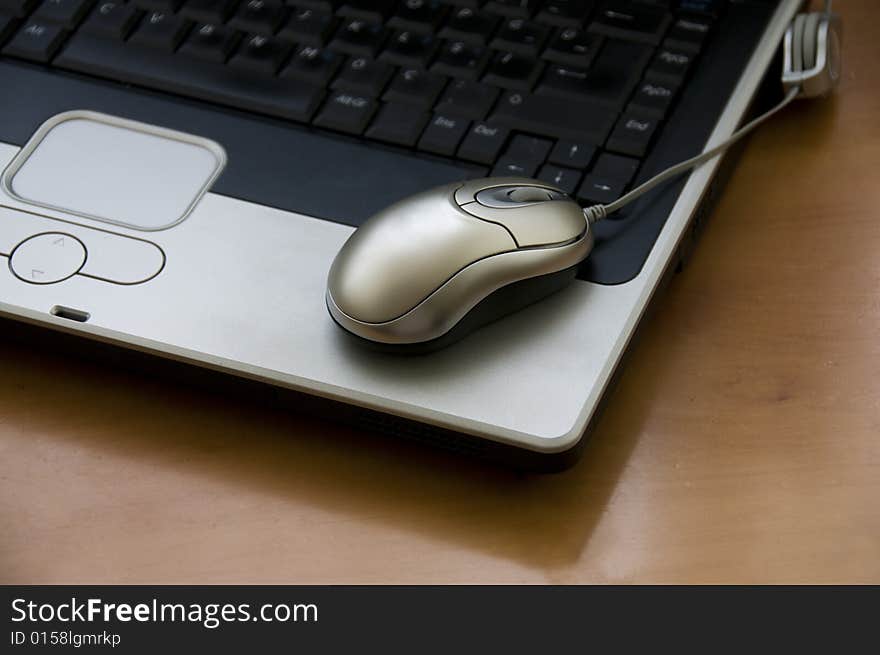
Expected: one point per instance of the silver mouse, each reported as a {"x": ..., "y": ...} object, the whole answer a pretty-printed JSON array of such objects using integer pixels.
[{"x": 427, "y": 270}]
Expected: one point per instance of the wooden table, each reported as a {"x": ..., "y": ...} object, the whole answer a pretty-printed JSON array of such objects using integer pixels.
[{"x": 742, "y": 445}]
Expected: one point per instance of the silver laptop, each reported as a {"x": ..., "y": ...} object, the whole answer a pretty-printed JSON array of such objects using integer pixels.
[{"x": 179, "y": 174}]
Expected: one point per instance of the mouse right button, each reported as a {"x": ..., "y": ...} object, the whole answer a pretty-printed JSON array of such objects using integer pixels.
[{"x": 552, "y": 222}]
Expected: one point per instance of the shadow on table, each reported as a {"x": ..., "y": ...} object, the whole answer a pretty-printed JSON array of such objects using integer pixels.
[{"x": 541, "y": 521}]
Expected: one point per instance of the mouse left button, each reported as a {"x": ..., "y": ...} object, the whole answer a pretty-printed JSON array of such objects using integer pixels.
[{"x": 47, "y": 258}]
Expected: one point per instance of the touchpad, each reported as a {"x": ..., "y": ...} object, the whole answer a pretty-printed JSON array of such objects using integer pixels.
[{"x": 114, "y": 170}]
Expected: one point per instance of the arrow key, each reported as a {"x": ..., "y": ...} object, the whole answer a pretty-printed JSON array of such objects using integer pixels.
[
  {"x": 572, "y": 154},
  {"x": 510, "y": 167},
  {"x": 599, "y": 189},
  {"x": 607, "y": 180},
  {"x": 562, "y": 178}
]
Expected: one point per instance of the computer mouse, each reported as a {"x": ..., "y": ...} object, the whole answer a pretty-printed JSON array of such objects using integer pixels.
[{"x": 429, "y": 269}]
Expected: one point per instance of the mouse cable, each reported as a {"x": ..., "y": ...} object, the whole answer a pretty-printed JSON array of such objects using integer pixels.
[{"x": 598, "y": 212}]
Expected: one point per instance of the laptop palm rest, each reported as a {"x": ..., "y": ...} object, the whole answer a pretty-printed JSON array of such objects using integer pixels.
[{"x": 239, "y": 287}]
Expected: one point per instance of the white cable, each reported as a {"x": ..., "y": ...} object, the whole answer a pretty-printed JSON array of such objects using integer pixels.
[{"x": 598, "y": 212}]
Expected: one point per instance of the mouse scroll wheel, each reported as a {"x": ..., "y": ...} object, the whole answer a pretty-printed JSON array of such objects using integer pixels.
[
  {"x": 511, "y": 196},
  {"x": 529, "y": 194}
]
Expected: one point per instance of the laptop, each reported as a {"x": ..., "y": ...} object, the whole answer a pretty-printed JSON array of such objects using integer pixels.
[{"x": 178, "y": 176}]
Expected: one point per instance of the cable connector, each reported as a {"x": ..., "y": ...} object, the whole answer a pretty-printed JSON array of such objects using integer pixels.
[{"x": 595, "y": 213}]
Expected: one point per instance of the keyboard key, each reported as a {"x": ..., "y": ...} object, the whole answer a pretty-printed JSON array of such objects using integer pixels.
[
  {"x": 566, "y": 179},
  {"x": 466, "y": 24},
  {"x": 633, "y": 21},
  {"x": 461, "y": 59},
  {"x": 357, "y": 37},
  {"x": 111, "y": 19},
  {"x": 209, "y": 42},
  {"x": 260, "y": 54},
  {"x": 631, "y": 135},
  {"x": 520, "y": 36},
  {"x": 688, "y": 34},
  {"x": 67, "y": 13},
  {"x": 510, "y": 167},
  {"x": 406, "y": 48},
  {"x": 564, "y": 119},
  {"x": 189, "y": 77},
  {"x": 375, "y": 11},
  {"x": 511, "y": 71},
  {"x": 483, "y": 143},
  {"x": 415, "y": 87},
  {"x": 398, "y": 124},
  {"x": 346, "y": 112},
  {"x": 565, "y": 81},
  {"x": 707, "y": 8},
  {"x": 571, "y": 154},
  {"x": 18, "y": 8},
  {"x": 653, "y": 98},
  {"x": 363, "y": 76},
  {"x": 258, "y": 17},
  {"x": 308, "y": 27},
  {"x": 598, "y": 189},
  {"x": 567, "y": 13},
  {"x": 443, "y": 134},
  {"x": 610, "y": 80},
  {"x": 515, "y": 8},
  {"x": 212, "y": 12},
  {"x": 669, "y": 66},
  {"x": 418, "y": 15},
  {"x": 313, "y": 65},
  {"x": 35, "y": 41},
  {"x": 572, "y": 46},
  {"x": 616, "y": 166},
  {"x": 160, "y": 30},
  {"x": 608, "y": 179},
  {"x": 523, "y": 156},
  {"x": 529, "y": 148},
  {"x": 467, "y": 100}
]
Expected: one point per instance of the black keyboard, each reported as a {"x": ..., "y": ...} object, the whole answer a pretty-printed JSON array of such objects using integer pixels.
[{"x": 570, "y": 91}]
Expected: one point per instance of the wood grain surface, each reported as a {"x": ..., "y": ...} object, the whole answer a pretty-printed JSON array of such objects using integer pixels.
[{"x": 742, "y": 444}]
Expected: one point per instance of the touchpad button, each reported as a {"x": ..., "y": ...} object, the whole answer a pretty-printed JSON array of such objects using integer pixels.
[{"x": 114, "y": 170}]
